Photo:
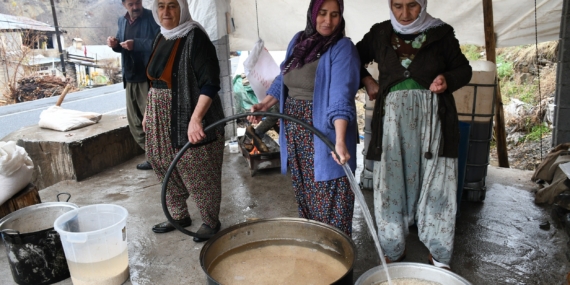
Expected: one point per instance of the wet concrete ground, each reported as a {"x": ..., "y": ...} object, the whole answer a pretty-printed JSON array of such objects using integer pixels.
[{"x": 497, "y": 241}]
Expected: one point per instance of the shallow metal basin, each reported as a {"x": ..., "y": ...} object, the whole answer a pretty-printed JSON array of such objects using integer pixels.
[{"x": 411, "y": 270}]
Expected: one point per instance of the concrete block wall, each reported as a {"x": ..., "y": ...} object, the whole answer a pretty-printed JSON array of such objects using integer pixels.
[
  {"x": 223, "y": 50},
  {"x": 561, "y": 132}
]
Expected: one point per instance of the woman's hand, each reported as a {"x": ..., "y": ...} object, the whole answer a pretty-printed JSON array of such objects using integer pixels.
[
  {"x": 343, "y": 153},
  {"x": 267, "y": 103},
  {"x": 259, "y": 107},
  {"x": 439, "y": 85},
  {"x": 371, "y": 87},
  {"x": 340, "y": 127},
  {"x": 195, "y": 127},
  {"x": 144, "y": 122},
  {"x": 195, "y": 131}
]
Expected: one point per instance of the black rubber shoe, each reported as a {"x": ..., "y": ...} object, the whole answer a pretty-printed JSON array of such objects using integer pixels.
[
  {"x": 167, "y": 227},
  {"x": 144, "y": 166},
  {"x": 205, "y": 229}
]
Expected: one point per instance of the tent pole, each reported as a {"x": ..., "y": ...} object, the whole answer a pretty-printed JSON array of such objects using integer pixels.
[{"x": 490, "y": 46}]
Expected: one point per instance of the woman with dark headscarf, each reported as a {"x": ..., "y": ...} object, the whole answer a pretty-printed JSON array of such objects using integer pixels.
[
  {"x": 318, "y": 83},
  {"x": 415, "y": 133},
  {"x": 183, "y": 99}
]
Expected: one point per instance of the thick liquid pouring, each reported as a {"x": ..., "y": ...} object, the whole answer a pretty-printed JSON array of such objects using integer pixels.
[{"x": 367, "y": 217}]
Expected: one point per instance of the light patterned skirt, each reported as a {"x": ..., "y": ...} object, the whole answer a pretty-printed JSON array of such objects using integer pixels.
[
  {"x": 409, "y": 188},
  {"x": 197, "y": 174}
]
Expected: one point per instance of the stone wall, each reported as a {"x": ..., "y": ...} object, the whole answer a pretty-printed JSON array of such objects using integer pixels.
[
  {"x": 76, "y": 154},
  {"x": 223, "y": 50}
]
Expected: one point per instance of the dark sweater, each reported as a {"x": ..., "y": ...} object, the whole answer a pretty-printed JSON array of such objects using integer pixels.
[
  {"x": 134, "y": 61},
  {"x": 196, "y": 71},
  {"x": 440, "y": 54}
]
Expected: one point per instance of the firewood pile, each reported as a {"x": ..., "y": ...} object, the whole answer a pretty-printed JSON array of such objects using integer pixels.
[
  {"x": 37, "y": 87},
  {"x": 3, "y": 101}
]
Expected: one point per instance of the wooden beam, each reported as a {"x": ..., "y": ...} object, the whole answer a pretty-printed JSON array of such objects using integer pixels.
[{"x": 490, "y": 47}]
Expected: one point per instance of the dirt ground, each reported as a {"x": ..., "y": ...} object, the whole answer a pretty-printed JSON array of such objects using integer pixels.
[{"x": 525, "y": 156}]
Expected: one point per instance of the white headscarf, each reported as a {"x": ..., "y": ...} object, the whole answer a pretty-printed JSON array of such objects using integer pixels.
[
  {"x": 185, "y": 25},
  {"x": 422, "y": 23}
]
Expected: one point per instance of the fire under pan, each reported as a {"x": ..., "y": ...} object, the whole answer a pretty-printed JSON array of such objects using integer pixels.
[{"x": 265, "y": 160}]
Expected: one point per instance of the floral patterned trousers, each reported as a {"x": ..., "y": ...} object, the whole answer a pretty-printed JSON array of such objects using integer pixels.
[
  {"x": 197, "y": 174},
  {"x": 330, "y": 202},
  {"x": 409, "y": 188}
]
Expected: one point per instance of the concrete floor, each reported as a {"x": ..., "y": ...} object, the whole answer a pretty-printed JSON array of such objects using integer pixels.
[{"x": 497, "y": 242}]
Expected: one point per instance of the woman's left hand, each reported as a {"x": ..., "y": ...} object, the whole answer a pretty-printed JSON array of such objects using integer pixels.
[
  {"x": 439, "y": 85},
  {"x": 195, "y": 131},
  {"x": 342, "y": 151}
]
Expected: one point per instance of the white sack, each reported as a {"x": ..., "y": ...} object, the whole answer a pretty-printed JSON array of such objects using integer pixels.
[
  {"x": 16, "y": 170},
  {"x": 260, "y": 69},
  {"x": 59, "y": 119},
  {"x": 514, "y": 110}
]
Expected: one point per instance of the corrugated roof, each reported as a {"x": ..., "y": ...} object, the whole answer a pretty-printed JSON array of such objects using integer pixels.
[
  {"x": 41, "y": 60},
  {"x": 9, "y": 22},
  {"x": 94, "y": 51}
]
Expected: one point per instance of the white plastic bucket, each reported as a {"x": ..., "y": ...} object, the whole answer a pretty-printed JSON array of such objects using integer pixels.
[{"x": 94, "y": 240}]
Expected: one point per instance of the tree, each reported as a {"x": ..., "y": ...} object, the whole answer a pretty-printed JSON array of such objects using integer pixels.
[{"x": 17, "y": 55}]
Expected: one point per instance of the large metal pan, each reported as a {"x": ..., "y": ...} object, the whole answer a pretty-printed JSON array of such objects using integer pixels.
[{"x": 278, "y": 231}]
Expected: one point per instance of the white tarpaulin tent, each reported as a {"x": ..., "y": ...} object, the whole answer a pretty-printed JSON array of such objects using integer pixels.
[
  {"x": 212, "y": 15},
  {"x": 279, "y": 20}
]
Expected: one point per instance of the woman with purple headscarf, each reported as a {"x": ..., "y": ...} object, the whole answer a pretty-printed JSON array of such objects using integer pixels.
[
  {"x": 415, "y": 132},
  {"x": 318, "y": 84}
]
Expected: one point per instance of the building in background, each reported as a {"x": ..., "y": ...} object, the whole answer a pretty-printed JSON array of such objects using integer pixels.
[
  {"x": 27, "y": 46},
  {"x": 93, "y": 65}
]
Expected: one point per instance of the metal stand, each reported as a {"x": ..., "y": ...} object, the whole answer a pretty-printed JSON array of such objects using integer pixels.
[{"x": 474, "y": 188}]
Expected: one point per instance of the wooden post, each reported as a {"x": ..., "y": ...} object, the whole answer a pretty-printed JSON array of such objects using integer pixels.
[
  {"x": 490, "y": 47},
  {"x": 62, "y": 96}
]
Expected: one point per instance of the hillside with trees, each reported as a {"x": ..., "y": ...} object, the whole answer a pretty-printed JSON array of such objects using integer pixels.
[{"x": 91, "y": 20}]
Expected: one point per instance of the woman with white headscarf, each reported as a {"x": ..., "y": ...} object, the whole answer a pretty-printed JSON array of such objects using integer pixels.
[
  {"x": 415, "y": 132},
  {"x": 184, "y": 75}
]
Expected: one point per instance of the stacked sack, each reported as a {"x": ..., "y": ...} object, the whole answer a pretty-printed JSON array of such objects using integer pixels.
[{"x": 16, "y": 170}]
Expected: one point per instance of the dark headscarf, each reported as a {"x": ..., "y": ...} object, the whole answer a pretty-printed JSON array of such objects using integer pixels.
[{"x": 310, "y": 44}]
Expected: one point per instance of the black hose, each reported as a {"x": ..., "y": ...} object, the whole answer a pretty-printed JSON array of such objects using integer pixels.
[{"x": 223, "y": 121}]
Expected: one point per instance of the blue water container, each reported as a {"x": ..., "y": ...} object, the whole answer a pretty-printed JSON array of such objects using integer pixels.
[{"x": 464, "y": 133}]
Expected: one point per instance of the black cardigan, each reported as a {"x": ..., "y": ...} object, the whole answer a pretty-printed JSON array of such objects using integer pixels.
[
  {"x": 440, "y": 54},
  {"x": 196, "y": 71}
]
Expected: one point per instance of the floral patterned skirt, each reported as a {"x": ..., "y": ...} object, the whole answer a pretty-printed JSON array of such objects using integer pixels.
[
  {"x": 197, "y": 174},
  {"x": 330, "y": 202},
  {"x": 409, "y": 188}
]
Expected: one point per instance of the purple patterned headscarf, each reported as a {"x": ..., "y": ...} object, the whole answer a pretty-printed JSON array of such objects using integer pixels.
[{"x": 310, "y": 44}]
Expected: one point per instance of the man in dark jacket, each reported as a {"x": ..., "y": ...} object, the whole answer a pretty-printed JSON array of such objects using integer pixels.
[{"x": 137, "y": 30}]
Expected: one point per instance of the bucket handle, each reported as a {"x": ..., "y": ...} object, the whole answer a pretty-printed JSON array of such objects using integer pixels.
[
  {"x": 223, "y": 121},
  {"x": 63, "y": 193},
  {"x": 10, "y": 232},
  {"x": 13, "y": 235}
]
